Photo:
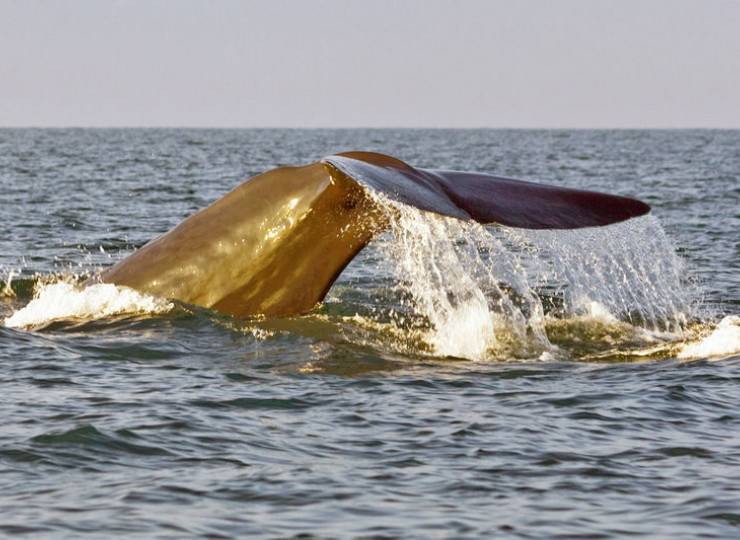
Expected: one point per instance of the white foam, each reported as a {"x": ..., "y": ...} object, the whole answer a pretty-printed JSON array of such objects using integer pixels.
[
  {"x": 599, "y": 311},
  {"x": 63, "y": 300},
  {"x": 724, "y": 341}
]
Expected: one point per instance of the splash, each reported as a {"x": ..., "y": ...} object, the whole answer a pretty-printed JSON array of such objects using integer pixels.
[
  {"x": 470, "y": 294},
  {"x": 463, "y": 290},
  {"x": 629, "y": 269},
  {"x": 7, "y": 290},
  {"x": 65, "y": 300},
  {"x": 722, "y": 342},
  {"x": 489, "y": 293}
]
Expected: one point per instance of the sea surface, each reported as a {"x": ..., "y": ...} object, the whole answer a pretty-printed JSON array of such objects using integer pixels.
[{"x": 459, "y": 380}]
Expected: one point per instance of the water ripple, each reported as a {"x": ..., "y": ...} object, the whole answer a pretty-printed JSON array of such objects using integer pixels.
[{"x": 189, "y": 424}]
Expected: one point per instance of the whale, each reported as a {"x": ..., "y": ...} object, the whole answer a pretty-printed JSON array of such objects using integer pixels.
[{"x": 273, "y": 246}]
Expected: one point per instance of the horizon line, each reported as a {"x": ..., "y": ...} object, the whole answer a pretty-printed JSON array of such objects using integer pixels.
[{"x": 403, "y": 127}]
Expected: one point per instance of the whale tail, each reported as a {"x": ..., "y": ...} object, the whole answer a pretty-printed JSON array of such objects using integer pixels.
[
  {"x": 274, "y": 245},
  {"x": 485, "y": 198}
]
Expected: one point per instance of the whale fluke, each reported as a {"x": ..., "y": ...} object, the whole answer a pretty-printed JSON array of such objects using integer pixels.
[
  {"x": 485, "y": 198},
  {"x": 274, "y": 245}
]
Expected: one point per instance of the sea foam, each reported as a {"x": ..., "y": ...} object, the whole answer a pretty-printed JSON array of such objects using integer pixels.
[
  {"x": 63, "y": 300},
  {"x": 724, "y": 341}
]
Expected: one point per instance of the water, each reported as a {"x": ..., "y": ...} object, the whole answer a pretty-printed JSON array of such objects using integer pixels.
[{"x": 458, "y": 381}]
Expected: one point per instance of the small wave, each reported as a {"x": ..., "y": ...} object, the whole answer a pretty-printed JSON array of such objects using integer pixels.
[
  {"x": 64, "y": 300},
  {"x": 722, "y": 342}
]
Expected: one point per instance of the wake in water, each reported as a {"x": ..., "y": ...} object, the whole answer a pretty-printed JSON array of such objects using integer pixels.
[
  {"x": 64, "y": 300},
  {"x": 465, "y": 290}
]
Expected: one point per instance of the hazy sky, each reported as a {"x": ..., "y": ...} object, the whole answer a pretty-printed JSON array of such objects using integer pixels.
[{"x": 416, "y": 63}]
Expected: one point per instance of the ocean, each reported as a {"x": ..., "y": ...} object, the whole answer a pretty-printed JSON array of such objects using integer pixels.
[{"x": 458, "y": 380}]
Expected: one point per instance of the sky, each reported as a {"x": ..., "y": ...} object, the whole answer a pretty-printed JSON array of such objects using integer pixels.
[{"x": 370, "y": 63}]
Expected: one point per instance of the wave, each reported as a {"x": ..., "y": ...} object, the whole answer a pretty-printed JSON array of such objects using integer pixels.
[
  {"x": 722, "y": 341},
  {"x": 64, "y": 300}
]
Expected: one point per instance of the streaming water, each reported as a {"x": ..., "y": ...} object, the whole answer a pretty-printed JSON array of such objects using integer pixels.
[
  {"x": 469, "y": 291},
  {"x": 459, "y": 380},
  {"x": 631, "y": 269}
]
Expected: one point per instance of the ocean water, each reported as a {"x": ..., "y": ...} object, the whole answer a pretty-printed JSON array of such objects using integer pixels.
[{"x": 458, "y": 381}]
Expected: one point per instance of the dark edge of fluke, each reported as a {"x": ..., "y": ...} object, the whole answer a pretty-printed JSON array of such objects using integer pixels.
[{"x": 486, "y": 198}]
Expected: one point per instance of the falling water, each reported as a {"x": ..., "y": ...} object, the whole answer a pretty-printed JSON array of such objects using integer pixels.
[
  {"x": 489, "y": 292},
  {"x": 629, "y": 270},
  {"x": 466, "y": 285}
]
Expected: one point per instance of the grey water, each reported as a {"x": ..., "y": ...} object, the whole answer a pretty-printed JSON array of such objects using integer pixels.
[{"x": 355, "y": 420}]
